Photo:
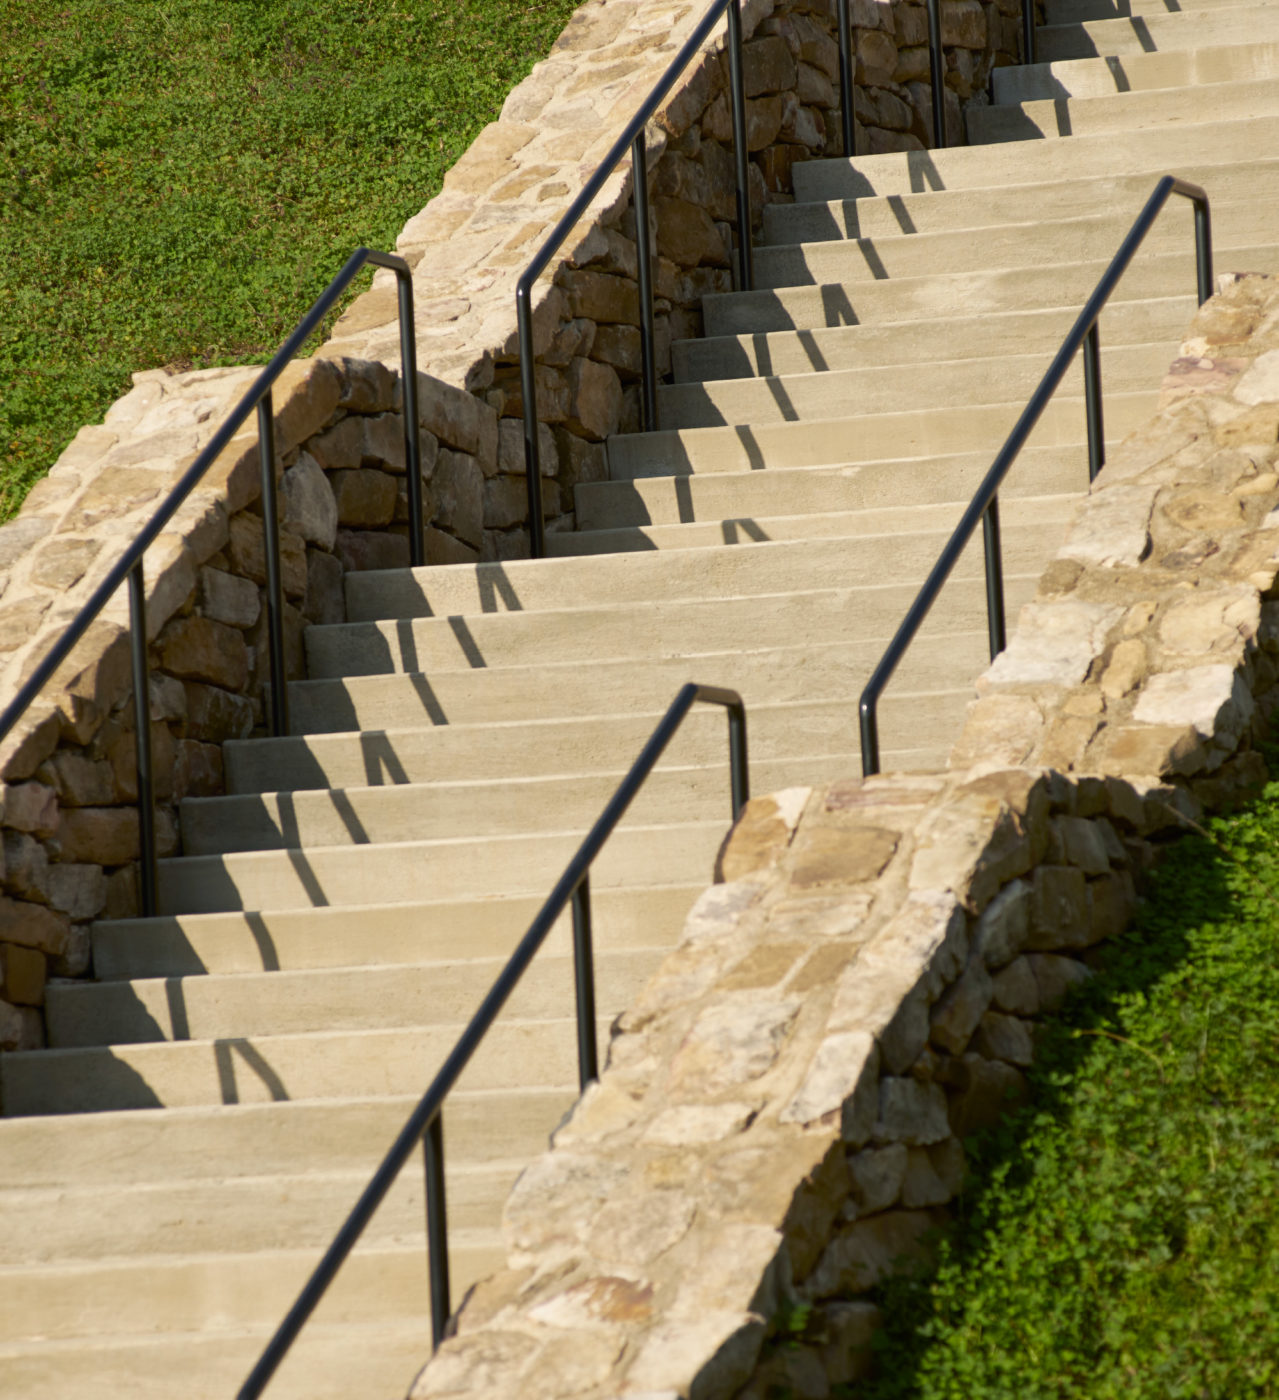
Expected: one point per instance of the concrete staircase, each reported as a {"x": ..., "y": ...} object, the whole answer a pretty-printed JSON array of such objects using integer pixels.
[{"x": 214, "y": 1101}]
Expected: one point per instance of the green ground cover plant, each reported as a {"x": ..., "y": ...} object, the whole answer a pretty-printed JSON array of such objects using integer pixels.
[
  {"x": 1119, "y": 1237},
  {"x": 179, "y": 179}
]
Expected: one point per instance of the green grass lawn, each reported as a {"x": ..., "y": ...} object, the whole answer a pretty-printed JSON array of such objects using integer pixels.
[
  {"x": 1120, "y": 1238},
  {"x": 179, "y": 179}
]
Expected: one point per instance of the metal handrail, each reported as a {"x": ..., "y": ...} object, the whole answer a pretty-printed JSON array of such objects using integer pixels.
[
  {"x": 984, "y": 506},
  {"x": 633, "y": 139},
  {"x": 425, "y": 1124},
  {"x": 130, "y": 566}
]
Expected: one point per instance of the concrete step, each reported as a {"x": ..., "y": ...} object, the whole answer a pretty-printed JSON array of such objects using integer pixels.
[
  {"x": 302, "y": 1209},
  {"x": 972, "y": 338},
  {"x": 435, "y": 811},
  {"x": 819, "y": 668},
  {"x": 379, "y": 1360},
  {"x": 1092, "y": 238},
  {"x": 102, "y": 1150},
  {"x": 316, "y": 1066},
  {"x": 948, "y": 383},
  {"x": 938, "y": 298},
  {"x": 1154, "y": 151},
  {"x": 1134, "y": 34},
  {"x": 1145, "y": 72},
  {"x": 844, "y": 441},
  {"x": 328, "y": 999},
  {"x": 873, "y": 489},
  {"x": 1051, "y": 515},
  {"x": 985, "y": 206},
  {"x": 412, "y": 871},
  {"x": 118, "y": 1298},
  {"x": 1079, "y": 11},
  {"x": 1125, "y": 111},
  {"x": 549, "y": 746},
  {"x": 289, "y": 939}
]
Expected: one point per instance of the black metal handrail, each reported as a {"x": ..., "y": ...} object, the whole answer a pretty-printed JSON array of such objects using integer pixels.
[
  {"x": 632, "y": 139},
  {"x": 984, "y": 506},
  {"x": 425, "y": 1124},
  {"x": 130, "y": 566}
]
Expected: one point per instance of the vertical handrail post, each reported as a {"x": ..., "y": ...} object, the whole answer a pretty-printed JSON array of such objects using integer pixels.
[
  {"x": 868, "y": 724},
  {"x": 412, "y": 429},
  {"x": 995, "y": 626},
  {"x": 1203, "y": 249},
  {"x": 147, "y": 882},
  {"x": 528, "y": 391},
  {"x": 846, "y": 79},
  {"x": 588, "y": 1068},
  {"x": 746, "y": 262},
  {"x": 1092, "y": 402},
  {"x": 937, "y": 74},
  {"x": 643, "y": 244},
  {"x": 1028, "y": 31},
  {"x": 274, "y": 575},
  {"x": 437, "y": 1228},
  {"x": 738, "y": 762}
]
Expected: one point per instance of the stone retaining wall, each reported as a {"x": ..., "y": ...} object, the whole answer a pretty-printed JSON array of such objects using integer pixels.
[
  {"x": 783, "y": 1112},
  {"x": 69, "y": 833}
]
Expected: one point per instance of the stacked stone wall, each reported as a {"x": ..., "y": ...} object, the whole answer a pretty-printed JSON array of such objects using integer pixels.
[
  {"x": 783, "y": 1113},
  {"x": 69, "y": 826}
]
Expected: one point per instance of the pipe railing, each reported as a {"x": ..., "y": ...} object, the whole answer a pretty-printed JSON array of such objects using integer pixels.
[
  {"x": 129, "y": 567},
  {"x": 426, "y": 1124},
  {"x": 984, "y": 506},
  {"x": 632, "y": 139}
]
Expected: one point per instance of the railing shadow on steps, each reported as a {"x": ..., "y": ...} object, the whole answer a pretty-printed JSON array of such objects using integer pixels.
[
  {"x": 426, "y": 1124},
  {"x": 130, "y": 564},
  {"x": 633, "y": 139},
  {"x": 984, "y": 506}
]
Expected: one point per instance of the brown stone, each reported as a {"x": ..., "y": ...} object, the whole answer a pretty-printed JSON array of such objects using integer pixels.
[
  {"x": 1015, "y": 989},
  {"x": 868, "y": 1251},
  {"x": 984, "y": 1090},
  {"x": 228, "y": 598},
  {"x": 214, "y": 714},
  {"x": 358, "y": 550},
  {"x": 20, "y": 621},
  {"x": 23, "y": 972},
  {"x": 248, "y": 554},
  {"x": 1055, "y": 977},
  {"x": 79, "y": 781},
  {"x": 767, "y": 66},
  {"x": 956, "y": 1015},
  {"x": 459, "y": 491},
  {"x": 1007, "y": 1038},
  {"x": 61, "y": 563},
  {"x": 365, "y": 497},
  {"x": 367, "y": 385},
  {"x": 33, "y": 926},
  {"x": 101, "y": 835},
  {"x": 600, "y": 297},
  {"x": 325, "y": 599},
  {"x": 1059, "y": 909},
  {"x": 199, "y": 649},
  {"x": 26, "y": 867},
  {"x": 79, "y": 891},
  {"x": 197, "y": 769},
  {"x": 31, "y": 807},
  {"x": 833, "y": 856},
  {"x": 1112, "y": 901},
  {"x": 595, "y": 399},
  {"x": 306, "y": 396}
]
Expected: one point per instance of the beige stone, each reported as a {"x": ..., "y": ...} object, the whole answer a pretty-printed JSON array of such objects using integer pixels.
[
  {"x": 31, "y": 807},
  {"x": 836, "y": 856}
]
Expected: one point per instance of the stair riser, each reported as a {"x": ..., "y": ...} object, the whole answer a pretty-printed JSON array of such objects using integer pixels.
[
  {"x": 915, "y": 344},
  {"x": 1041, "y": 198},
  {"x": 434, "y": 812},
  {"x": 1038, "y": 246},
  {"x": 1138, "y": 73},
  {"x": 873, "y": 489},
  {"x": 219, "y": 1217},
  {"x": 346, "y": 999},
  {"x": 236, "y": 1291},
  {"x": 1057, "y": 117},
  {"x": 1125, "y": 369},
  {"x": 291, "y": 939},
  {"x": 968, "y": 294},
  {"x": 843, "y": 441},
  {"x": 514, "y": 1055},
  {"x": 1123, "y": 37},
  {"x": 487, "y": 753},
  {"x": 101, "y": 1150},
  {"x": 969, "y": 167},
  {"x": 415, "y": 871}
]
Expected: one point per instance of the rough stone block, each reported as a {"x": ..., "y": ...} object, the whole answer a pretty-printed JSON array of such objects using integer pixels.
[
  {"x": 23, "y": 972},
  {"x": 229, "y": 599},
  {"x": 199, "y": 649}
]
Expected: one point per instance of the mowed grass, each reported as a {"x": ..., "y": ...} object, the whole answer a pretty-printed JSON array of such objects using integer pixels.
[
  {"x": 1119, "y": 1240},
  {"x": 179, "y": 179}
]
